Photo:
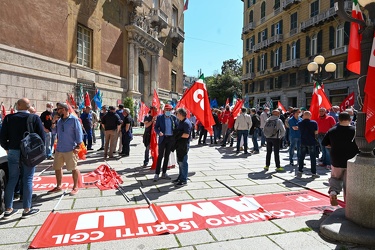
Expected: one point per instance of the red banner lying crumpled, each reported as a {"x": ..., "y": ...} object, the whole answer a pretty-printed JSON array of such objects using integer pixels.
[
  {"x": 103, "y": 177},
  {"x": 120, "y": 224}
]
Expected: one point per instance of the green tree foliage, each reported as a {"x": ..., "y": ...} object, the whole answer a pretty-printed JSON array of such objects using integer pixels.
[
  {"x": 227, "y": 84},
  {"x": 232, "y": 67},
  {"x": 129, "y": 103}
]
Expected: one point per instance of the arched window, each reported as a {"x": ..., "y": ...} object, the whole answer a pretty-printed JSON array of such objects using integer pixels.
[
  {"x": 263, "y": 10},
  {"x": 277, "y": 4},
  {"x": 276, "y": 58},
  {"x": 141, "y": 78},
  {"x": 251, "y": 16}
]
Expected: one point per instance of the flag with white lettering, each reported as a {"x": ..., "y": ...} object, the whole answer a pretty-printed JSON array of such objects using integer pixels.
[
  {"x": 370, "y": 97},
  {"x": 347, "y": 102},
  {"x": 196, "y": 99}
]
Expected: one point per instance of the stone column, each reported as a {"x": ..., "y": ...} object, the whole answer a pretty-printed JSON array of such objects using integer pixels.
[
  {"x": 131, "y": 68},
  {"x": 136, "y": 68},
  {"x": 154, "y": 73}
]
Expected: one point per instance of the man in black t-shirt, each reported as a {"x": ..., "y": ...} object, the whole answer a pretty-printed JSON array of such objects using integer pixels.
[
  {"x": 340, "y": 139},
  {"x": 148, "y": 122},
  {"x": 46, "y": 118},
  {"x": 127, "y": 133}
]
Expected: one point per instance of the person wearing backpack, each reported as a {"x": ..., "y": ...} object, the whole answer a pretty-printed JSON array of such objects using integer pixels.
[
  {"x": 273, "y": 130},
  {"x": 12, "y": 132}
]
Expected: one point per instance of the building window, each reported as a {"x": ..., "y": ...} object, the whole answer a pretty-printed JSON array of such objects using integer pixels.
[
  {"x": 173, "y": 81},
  {"x": 263, "y": 10},
  {"x": 293, "y": 51},
  {"x": 313, "y": 45},
  {"x": 261, "y": 86},
  {"x": 308, "y": 97},
  {"x": 264, "y": 35},
  {"x": 251, "y": 16},
  {"x": 249, "y": 3},
  {"x": 247, "y": 67},
  {"x": 276, "y": 58},
  {"x": 293, "y": 80},
  {"x": 293, "y": 21},
  {"x": 251, "y": 66},
  {"x": 339, "y": 73},
  {"x": 277, "y": 28},
  {"x": 336, "y": 96},
  {"x": 84, "y": 46},
  {"x": 277, "y": 4},
  {"x": 174, "y": 17},
  {"x": 340, "y": 36},
  {"x": 251, "y": 43},
  {"x": 155, "y": 4},
  {"x": 314, "y": 8},
  {"x": 174, "y": 49},
  {"x": 262, "y": 62}
]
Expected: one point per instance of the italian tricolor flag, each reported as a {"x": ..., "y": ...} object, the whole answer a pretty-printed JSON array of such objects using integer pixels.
[
  {"x": 318, "y": 100},
  {"x": 354, "y": 51},
  {"x": 370, "y": 97}
]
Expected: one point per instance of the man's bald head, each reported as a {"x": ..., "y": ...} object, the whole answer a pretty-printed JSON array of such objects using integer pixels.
[
  {"x": 23, "y": 104},
  {"x": 306, "y": 115}
]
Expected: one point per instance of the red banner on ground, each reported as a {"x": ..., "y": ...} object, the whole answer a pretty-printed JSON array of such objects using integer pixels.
[{"x": 97, "y": 226}]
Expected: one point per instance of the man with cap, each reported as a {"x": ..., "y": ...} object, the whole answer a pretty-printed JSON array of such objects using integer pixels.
[
  {"x": 87, "y": 122},
  {"x": 164, "y": 126},
  {"x": 111, "y": 123},
  {"x": 69, "y": 137},
  {"x": 127, "y": 133}
]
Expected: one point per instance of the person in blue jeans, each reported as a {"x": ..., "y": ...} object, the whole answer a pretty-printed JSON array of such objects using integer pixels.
[
  {"x": 309, "y": 131},
  {"x": 294, "y": 134},
  {"x": 254, "y": 131},
  {"x": 13, "y": 128},
  {"x": 86, "y": 118},
  {"x": 182, "y": 146},
  {"x": 242, "y": 126}
]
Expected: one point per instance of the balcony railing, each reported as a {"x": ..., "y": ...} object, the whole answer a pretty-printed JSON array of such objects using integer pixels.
[
  {"x": 288, "y": 3},
  {"x": 276, "y": 11},
  {"x": 248, "y": 27},
  {"x": 159, "y": 18},
  {"x": 278, "y": 38},
  {"x": 340, "y": 50},
  {"x": 290, "y": 64},
  {"x": 261, "y": 73},
  {"x": 136, "y": 2},
  {"x": 313, "y": 21},
  {"x": 293, "y": 31},
  {"x": 262, "y": 20},
  {"x": 249, "y": 51},
  {"x": 248, "y": 76},
  {"x": 261, "y": 45},
  {"x": 177, "y": 34}
]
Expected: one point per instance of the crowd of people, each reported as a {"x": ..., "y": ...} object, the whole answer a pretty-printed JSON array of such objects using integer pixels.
[{"x": 63, "y": 133}]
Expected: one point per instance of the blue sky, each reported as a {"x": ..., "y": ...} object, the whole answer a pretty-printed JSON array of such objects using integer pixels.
[{"x": 212, "y": 35}]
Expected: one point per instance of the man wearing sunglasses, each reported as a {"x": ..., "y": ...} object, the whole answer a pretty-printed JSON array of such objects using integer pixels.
[{"x": 69, "y": 137}]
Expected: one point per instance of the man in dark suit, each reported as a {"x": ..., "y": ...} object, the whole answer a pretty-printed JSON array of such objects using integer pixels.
[
  {"x": 12, "y": 132},
  {"x": 164, "y": 126}
]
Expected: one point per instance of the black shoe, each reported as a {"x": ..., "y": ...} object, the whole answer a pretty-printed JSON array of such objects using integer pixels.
[
  {"x": 32, "y": 212},
  {"x": 16, "y": 197},
  {"x": 176, "y": 181},
  {"x": 180, "y": 184},
  {"x": 8, "y": 215},
  {"x": 100, "y": 149},
  {"x": 90, "y": 149}
]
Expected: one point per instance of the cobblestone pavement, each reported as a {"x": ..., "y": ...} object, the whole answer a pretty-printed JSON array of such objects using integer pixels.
[{"x": 242, "y": 172}]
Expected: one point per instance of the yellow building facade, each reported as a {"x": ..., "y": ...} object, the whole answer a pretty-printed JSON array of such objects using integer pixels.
[{"x": 280, "y": 38}]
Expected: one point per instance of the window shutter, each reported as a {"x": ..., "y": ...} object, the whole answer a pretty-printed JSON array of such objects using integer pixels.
[
  {"x": 281, "y": 26},
  {"x": 287, "y": 52},
  {"x": 298, "y": 48},
  {"x": 307, "y": 76},
  {"x": 253, "y": 65},
  {"x": 258, "y": 64},
  {"x": 259, "y": 36},
  {"x": 346, "y": 71},
  {"x": 346, "y": 33},
  {"x": 265, "y": 61},
  {"x": 247, "y": 44},
  {"x": 272, "y": 55},
  {"x": 272, "y": 30},
  {"x": 320, "y": 42},
  {"x": 266, "y": 33},
  {"x": 331, "y": 37},
  {"x": 307, "y": 46},
  {"x": 280, "y": 54}
]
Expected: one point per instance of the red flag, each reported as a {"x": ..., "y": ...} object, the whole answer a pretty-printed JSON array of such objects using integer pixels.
[
  {"x": 370, "y": 97},
  {"x": 180, "y": 105},
  {"x": 142, "y": 112},
  {"x": 196, "y": 99},
  {"x": 72, "y": 101},
  {"x": 11, "y": 110},
  {"x": 227, "y": 102},
  {"x": 237, "y": 108},
  {"x": 349, "y": 101},
  {"x": 318, "y": 100},
  {"x": 280, "y": 106},
  {"x": 156, "y": 102},
  {"x": 71, "y": 110},
  {"x": 87, "y": 99},
  {"x": 186, "y": 5},
  {"x": 354, "y": 48},
  {"x": 3, "y": 111}
]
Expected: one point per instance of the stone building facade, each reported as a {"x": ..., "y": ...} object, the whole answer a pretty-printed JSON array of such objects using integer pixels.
[
  {"x": 125, "y": 48},
  {"x": 280, "y": 38}
]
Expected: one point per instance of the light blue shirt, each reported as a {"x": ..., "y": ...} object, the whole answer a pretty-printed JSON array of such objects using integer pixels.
[
  {"x": 168, "y": 126},
  {"x": 69, "y": 134}
]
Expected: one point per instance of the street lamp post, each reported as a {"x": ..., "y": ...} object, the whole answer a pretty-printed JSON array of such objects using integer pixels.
[
  {"x": 356, "y": 223},
  {"x": 316, "y": 69}
]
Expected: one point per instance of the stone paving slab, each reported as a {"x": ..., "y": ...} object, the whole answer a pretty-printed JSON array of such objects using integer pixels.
[
  {"x": 243, "y": 244},
  {"x": 300, "y": 240},
  {"x": 15, "y": 235},
  {"x": 195, "y": 237},
  {"x": 211, "y": 193},
  {"x": 245, "y": 230},
  {"x": 262, "y": 189}
]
